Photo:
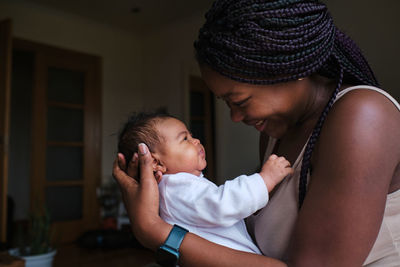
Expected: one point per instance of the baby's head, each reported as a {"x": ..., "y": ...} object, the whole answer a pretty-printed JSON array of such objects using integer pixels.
[{"x": 169, "y": 141}]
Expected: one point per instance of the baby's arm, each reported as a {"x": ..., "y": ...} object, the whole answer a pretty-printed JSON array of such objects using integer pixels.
[
  {"x": 274, "y": 170},
  {"x": 201, "y": 203}
]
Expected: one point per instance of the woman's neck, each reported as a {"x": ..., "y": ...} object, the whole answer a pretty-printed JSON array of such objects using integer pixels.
[{"x": 321, "y": 90}]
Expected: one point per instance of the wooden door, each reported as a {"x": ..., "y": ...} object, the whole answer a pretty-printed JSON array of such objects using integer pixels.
[
  {"x": 5, "y": 81},
  {"x": 202, "y": 120},
  {"x": 66, "y": 137}
]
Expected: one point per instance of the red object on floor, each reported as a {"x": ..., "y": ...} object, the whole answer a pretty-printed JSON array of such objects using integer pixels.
[{"x": 109, "y": 223}]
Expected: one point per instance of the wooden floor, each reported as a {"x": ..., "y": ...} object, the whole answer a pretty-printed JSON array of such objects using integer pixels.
[{"x": 73, "y": 256}]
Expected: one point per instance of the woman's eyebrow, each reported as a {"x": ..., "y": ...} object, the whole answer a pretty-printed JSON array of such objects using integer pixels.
[{"x": 227, "y": 95}]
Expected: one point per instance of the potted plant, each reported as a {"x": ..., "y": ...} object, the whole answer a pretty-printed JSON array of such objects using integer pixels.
[{"x": 36, "y": 250}]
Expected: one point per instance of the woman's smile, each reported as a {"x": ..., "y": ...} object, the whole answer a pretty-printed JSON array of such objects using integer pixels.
[{"x": 260, "y": 125}]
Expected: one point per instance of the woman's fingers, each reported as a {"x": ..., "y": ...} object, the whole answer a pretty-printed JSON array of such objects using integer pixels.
[
  {"x": 132, "y": 168},
  {"x": 121, "y": 161},
  {"x": 133, "y": 165},
  {"x": 148, "y": 183},
  {"x": 119, "y": 175},
  {"x": 146, "y": 169}
]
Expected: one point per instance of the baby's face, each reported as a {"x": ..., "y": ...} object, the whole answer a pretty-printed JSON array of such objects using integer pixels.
[{"x": 180, "y": 152}]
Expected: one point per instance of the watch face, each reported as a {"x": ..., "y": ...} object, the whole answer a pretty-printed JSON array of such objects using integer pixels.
[{"x": 166, "y": 258}]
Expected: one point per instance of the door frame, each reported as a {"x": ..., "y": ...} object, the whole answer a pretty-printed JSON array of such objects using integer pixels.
[{"x": 5, "y": 91}]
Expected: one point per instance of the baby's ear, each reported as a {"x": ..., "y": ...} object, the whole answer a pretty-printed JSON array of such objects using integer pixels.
[{"x": 157, "y": 164}]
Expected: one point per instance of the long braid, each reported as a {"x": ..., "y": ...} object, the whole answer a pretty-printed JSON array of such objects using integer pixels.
[
  {"x": 275, "y": 41},
  {"x": 305, "y": 164},
  {"x": 266, "y": 42}
]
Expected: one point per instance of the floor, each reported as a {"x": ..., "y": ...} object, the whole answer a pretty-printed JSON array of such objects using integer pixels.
[{"x": 72, "y": 255}]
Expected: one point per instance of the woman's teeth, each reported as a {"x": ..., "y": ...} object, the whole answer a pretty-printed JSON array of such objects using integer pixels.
[{"x": 259, "y": 123}]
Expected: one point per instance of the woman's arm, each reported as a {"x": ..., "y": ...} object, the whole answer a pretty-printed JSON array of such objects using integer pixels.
[
  {"x": 141, "y": 202},
  {"x": 353, "y": 164},
  {"x": 196, "y": 251}
]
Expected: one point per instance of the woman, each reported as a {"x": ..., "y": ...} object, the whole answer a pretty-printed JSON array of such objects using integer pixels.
[{"x": 284, "y": 68}]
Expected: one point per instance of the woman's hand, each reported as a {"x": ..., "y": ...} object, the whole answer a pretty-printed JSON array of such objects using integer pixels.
[
  {"x": 141, "y": 199},
  {"x": 141, "y": 202},
  {"x": 133, "y": 164}
]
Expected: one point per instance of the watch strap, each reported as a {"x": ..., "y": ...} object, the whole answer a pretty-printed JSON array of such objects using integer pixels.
[
  {"x": 168, "y": 253},
  {"x": 175, "y": 238}
]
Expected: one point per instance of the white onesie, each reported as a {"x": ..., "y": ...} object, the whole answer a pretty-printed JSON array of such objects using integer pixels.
[{"x": 213, "y": 212}]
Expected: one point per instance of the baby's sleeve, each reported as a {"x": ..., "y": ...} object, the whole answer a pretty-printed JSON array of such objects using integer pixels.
[{"x": 199, "y": 202}]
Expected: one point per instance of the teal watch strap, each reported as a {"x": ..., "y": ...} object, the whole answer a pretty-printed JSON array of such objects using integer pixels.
[{"x": 168, "y": 253}]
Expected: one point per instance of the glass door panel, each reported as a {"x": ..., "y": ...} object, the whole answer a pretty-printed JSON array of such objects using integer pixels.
[
  {"x": 64, "y": 124},
  {"x": 64, "y": 163},
  {"x": 64, "y": 202},
  {"x": 65, "y": 143},
  {"x": 65, "y": 86}
]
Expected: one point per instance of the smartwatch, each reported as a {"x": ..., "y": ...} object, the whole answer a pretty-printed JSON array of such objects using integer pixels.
[{"x": 168, "y": 254}]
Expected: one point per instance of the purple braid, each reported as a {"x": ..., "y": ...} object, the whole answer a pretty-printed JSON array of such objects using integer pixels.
[
  {"x": 305, "y": 166},
  {"x": 275, "y": 41}
]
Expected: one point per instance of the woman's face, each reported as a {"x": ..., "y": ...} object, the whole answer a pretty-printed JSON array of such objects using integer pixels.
[{"x": 272, "y": 109}]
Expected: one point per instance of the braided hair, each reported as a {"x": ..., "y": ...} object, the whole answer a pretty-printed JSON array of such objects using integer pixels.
[{"x": 275, "y": 41}]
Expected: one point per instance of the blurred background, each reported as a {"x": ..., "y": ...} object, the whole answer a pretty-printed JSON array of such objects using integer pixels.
[{"x": 79, "y": 68}]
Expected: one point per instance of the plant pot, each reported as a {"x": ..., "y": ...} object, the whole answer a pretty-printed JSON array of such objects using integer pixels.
[{"x": 40, "y": 260}]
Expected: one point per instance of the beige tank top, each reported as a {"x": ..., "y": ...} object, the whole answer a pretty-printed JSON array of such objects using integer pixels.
[{"x": 271, "y": 227}]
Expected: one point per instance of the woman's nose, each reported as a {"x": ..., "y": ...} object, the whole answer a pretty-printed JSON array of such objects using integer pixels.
[{"x": 236, "y": 114}]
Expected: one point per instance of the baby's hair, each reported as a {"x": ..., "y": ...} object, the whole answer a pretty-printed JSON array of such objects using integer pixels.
[
  {"x": 140, "y": 128},
  {"x": 274, "y": 41}
]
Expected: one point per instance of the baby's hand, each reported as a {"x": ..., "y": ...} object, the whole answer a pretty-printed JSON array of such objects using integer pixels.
[{"x": 274, "y": 170}]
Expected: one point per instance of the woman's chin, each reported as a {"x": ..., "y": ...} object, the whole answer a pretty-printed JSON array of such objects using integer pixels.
[{"x": 275, "y": 131}]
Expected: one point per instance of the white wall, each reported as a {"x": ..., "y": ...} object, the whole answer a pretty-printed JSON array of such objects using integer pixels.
[
  {"x": 168, "y": 62},
  {"x": 374, "y": 26},
  {"x": 120, "y": 52}
]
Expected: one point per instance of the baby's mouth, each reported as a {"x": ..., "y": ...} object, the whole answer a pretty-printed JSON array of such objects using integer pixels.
[{"x": 202, "y": 152}]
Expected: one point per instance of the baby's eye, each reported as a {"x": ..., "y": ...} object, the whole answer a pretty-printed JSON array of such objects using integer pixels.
[{"x": 185, "y": 138}]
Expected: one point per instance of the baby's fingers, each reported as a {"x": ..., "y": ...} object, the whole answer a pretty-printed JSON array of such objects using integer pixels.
[
  {"x": 284, "y": 162},
  {"x": 287, "y": 167},
  {"x": 272, "y": 157},
  {"x": 288, "y": 170}
]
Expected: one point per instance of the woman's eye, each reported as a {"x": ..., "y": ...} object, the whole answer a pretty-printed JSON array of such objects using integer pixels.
[{"x": 240, "y": 103}]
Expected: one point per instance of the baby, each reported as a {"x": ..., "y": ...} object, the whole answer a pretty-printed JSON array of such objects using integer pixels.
[{"x": 187, "y": 198}]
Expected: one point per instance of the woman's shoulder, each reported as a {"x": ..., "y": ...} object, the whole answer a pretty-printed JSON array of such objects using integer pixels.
[
  {"x": 364, "y": 111},
  {"x": 366, "y": 97},
  {"x": 353, "y": 170},
  {"x": 365, "y": 107},
  {"x": 360, "y": 133}
]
